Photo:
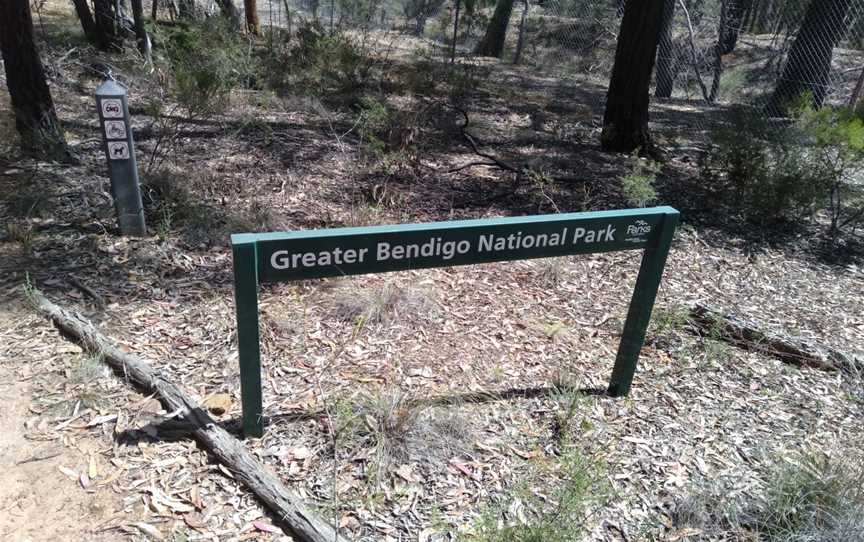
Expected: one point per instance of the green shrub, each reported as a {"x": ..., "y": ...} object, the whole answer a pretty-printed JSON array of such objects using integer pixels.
[
  {"x": 316, "y": 62},
  {"x": 835, "y": 141},
  {"x": 430, "y": 71},
  {"x": 373, "y": 124},
  {"x": 208, "y": 60},
  {"x": 556, "y": 515},
  {"x": 638, "y": 185},
  {"x": 771, "y": 172},
  {"x": 756, "y": 168}
]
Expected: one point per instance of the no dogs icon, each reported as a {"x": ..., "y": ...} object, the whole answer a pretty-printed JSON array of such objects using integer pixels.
[{"x": 118, "y": 150}]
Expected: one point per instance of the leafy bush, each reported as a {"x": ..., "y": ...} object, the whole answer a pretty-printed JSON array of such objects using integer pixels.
[
  {"x": 373, "y": 124},
  {"x": 771, "y": 172},
  {"x": 315, "y": 62},
  {"x": 755, "y": 168},
  {"x": 638, "y": 185},
  {"x": 431, "y": 72},
  {"x": 560, "y": 517},
  {"x": 836, "y": 153},
  {"x": 208, "y": 60}
]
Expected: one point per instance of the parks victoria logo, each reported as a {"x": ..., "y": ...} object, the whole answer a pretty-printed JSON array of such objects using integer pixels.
[{"x": 637, "y": 232}]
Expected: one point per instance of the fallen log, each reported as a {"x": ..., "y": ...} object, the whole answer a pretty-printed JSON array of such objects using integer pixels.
[
  {"x": 747, "y": 334},
  {"x": 289, "y": 510}
]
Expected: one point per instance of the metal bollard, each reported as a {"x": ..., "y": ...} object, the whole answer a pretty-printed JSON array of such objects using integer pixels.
[{"x": 120, "y": 153}]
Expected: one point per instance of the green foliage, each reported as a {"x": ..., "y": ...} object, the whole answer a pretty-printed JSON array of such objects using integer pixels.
[
  {"x": 560, "y": 516},
  {"x": 569, "y": 403},
  {"x": 431, "y": 73},
  {"x": 772, "y": 173},
  {"x": 373, "y": 124},
  {"x": 756, "y": 168},
  {"x": 665, "y": 320},
  {"x": 165, "y": 223},
  {"x": 816, "y": 494},
  {"x": 31, "y": 292},
  {"x": 835, "y": 152},
  {"x": 316, "y": 62},
  {"x": 208, "y": 60},
  {"x": 386, "y": 421},
  {"x": 638, "y": 185},
  {"x": 170, "y": 202}
]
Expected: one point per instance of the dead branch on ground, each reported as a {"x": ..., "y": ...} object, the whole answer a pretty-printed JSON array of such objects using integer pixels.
[
  {"x": 493, "y": 161},
  {"x": 302, "y": 522},
  {"x": 747, "y": 334}
]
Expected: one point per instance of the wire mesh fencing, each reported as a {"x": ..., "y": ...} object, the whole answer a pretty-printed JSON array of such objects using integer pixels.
[{"x": 711, "y": 53}]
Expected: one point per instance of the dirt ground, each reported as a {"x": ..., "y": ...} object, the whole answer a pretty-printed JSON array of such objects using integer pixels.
[
  {"x": 39, "y": 501},
  {"x": 405, "y": 406}
]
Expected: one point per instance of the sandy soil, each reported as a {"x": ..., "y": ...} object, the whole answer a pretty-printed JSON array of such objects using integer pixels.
[{"x": 38, "y": 500}]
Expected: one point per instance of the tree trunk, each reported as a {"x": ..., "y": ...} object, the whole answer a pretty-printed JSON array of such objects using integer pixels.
[
  {"x": 229, "y": 11},
  {"x": 855, "y": 98},
  {"x": 808, "y": 67},
  {"x": 718, "y": 50},
  {"x": 35, "y": 118},
  {"x": 755, "y": 336},
  {"x": 455, "y": 32},
  {"x": 154, "y": 9},
  {"x": 625, "y": 122},
  {"x": 520, "y": 43},
  {"x": 107, "y": 21},
  {"x": 185, "y": 9},
  {"x": 667, "y": 57},
  {"x": 252, "y": 25},
  {"x": 91, "y": 31},
  {"x": 761, "y": 16},
  {"x": 304, "y": 524},
  {"x": 736, "y": 12},
  {"x": 492, "y": 43},
  {"x": 141, "y": 36},
  {"x": 694, "y": 55}
]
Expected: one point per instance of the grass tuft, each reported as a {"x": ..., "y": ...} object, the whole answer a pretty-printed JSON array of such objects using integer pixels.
[
  {"x": 812, "y": 497},
  {"x": 88, "y": 369},
  {"x": 364, "y": 306},
  {"x": 559, "y": 516},
  {"x": 399, "y": 429}
]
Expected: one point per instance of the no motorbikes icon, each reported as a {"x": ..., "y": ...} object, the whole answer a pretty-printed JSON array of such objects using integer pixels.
[{"x": 112, "y": 108}]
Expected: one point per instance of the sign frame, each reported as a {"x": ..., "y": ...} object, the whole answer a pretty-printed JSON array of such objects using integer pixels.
[{"x": 286, "y": 256}]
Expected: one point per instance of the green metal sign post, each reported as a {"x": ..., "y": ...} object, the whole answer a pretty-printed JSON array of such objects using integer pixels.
[{"x": 281, "y": 257}]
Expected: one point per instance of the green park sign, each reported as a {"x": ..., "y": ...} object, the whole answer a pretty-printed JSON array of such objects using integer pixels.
[{"x": 280, "y": 257}]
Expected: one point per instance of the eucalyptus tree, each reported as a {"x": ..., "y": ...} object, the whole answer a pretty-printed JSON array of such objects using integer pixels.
[{"x": 35, "y": 117}]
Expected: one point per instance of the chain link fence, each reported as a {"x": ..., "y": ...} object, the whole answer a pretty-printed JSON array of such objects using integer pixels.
[{"x": 711, "y": 52}]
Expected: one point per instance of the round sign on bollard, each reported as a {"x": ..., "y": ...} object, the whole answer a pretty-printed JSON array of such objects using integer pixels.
[{"x": 119, "y": 149}]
